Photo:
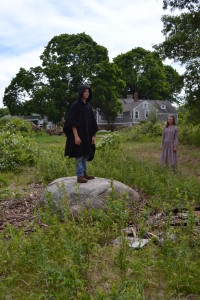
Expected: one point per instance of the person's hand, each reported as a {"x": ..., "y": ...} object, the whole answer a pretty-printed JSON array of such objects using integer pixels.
[
  {"x": 77, "y": 140},
  {"x": 93, "y": 139},
  {"x": 174, "y": 149}
]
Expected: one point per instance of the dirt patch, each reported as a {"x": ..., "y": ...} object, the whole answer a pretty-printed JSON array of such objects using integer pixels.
[
  {"x": 20, "y": 212},
  {"x": 187, "y": 159}
]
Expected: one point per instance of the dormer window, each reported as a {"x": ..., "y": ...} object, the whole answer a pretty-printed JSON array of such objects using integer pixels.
[
  {"x": 163, "y": 106},
  {"x": 145, "y": 105}
]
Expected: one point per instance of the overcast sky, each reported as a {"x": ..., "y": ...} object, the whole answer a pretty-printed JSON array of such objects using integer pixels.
[{"x": 26, "y": 26}]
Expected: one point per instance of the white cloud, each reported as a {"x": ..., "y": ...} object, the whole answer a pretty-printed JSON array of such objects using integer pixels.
[
  {"x": 10, "y": 65},
  {"x": 26, "y": 26}
]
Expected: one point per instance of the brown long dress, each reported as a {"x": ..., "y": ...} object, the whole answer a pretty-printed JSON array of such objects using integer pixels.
[{"x": 169, "y": 141}]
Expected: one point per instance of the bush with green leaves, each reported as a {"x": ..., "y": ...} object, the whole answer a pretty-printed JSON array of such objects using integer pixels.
[
  {"x": 189, "y": 134},
  {"x": 16, "y": 151},
  {"x": 110, "y": 140},
  {"x": 145, "y": 129},
  {"x": 15, "y": 125}
]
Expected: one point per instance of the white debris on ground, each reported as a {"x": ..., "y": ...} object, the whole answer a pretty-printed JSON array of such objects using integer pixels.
[{"x": 132, "y": 242}]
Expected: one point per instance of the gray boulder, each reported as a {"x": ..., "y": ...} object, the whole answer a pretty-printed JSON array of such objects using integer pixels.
[{"x": 90, "y": 195}]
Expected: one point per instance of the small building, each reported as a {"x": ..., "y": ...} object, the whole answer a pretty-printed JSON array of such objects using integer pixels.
[
  {"x": 33, "y": 118},
  {"x": 37, "y": 120},
  {"x": 136, "y": 110}
]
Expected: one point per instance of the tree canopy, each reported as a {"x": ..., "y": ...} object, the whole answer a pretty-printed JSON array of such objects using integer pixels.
[
  {"x": 71, "y": 60},
  {"x": 67, "y": 62},
  {"x": 144, "y": 72},
  {"x": 107, "y": 85},
  {"x": 182, "y": 43}
]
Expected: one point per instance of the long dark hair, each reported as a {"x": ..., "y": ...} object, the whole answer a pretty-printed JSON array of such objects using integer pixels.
[{"x": 174, "y": 122}]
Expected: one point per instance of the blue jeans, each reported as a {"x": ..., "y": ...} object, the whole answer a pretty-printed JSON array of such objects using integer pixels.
[{"x": 80, "y": 164}]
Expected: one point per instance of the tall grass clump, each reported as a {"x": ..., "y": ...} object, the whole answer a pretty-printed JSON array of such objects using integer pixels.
[{"x": 52, "y": 164}]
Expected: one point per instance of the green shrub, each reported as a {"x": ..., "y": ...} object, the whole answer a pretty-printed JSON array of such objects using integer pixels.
[
  {"x": 15, "y": 151},
  {"x": 157, "y": 129},
  {"x": 189, "y": 134},
  {"x": 110, "y": 140},
  {"x": 144, "y": 129},
  {"x": 15, "y": 125}
]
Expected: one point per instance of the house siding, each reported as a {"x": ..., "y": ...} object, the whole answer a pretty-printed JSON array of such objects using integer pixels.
[
  {"x": 140, "y": 108},
  {"x": 163, "y": 116},
  {"x": 128, "y": 119},
  {"x": 125, "y": 119}
]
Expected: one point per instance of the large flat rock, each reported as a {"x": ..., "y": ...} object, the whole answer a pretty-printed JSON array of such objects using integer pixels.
[{"x": 90, "y": 195}]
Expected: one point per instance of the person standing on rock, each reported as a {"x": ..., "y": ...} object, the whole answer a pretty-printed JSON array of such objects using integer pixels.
[
  {"x": 80, "y": 128},
  {"x": 169, "y": 144}
]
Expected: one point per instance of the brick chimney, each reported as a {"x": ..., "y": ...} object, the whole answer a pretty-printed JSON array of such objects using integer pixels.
[{"x": 135, "y": 96}]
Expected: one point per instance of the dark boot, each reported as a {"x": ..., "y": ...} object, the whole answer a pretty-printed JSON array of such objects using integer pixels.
[
  {"x": 81, "y": 179},
  {"x": 88, "y": 177}
]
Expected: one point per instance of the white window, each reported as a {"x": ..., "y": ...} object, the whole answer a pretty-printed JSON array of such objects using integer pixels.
[
  {"x": 163, "y": 106},
  {"x": 136, "y": 114},
  {"x": 146, "y": 113},
  {"x": 131, "y": 114},
  {"x": 145, "y": 105},
  {"x": 120, "y": 116}
]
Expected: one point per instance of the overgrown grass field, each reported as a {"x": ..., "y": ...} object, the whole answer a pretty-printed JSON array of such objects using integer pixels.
[{"x": 75, "y": 259}]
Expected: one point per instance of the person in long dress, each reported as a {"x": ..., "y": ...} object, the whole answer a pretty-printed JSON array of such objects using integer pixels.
[{"x": 169, "y": 144}]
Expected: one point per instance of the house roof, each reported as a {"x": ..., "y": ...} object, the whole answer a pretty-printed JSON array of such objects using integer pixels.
[
  {"x": 9, "y": 117},
  {"x": 31, "y": 117},
  {"x": 129, "y": 105},
  {"x": 169, "y": 108}
]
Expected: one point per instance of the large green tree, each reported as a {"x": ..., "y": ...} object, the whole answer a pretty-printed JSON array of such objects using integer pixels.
[
  {"x": 144, "y": 72},
  {"x": 182, "y": 44},
  {"x": 106, "y": 86},
  {"x": 27, "y": 91},
  {"x": 67, "y": 62}
]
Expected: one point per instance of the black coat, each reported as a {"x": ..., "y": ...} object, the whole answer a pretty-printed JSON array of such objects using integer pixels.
[{"x": 82, "y": 117}]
